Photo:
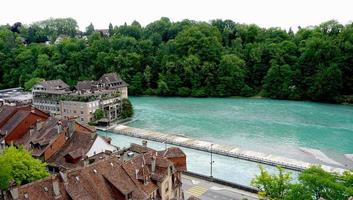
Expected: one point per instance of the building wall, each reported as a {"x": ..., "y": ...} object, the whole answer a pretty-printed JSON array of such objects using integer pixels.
[
  {"x": 22, "y": 128},
  {"x": 166, "y": 188},
  {"x": 84, "y": 111},
  {"x": 112, "y": 108},
  {"x": 52, "y": 149},
  {"x": 50, "y": 105},
  {"x": 123, "y": 92}
]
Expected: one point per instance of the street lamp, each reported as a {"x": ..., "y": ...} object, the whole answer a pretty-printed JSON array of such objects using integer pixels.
[
  {"x": 165, "y": 143},
  {"x": 211, "y": 163}
]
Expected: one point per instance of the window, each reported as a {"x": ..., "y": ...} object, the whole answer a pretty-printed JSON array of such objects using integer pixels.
[
  {"x": 81, "y": 119},
  {"x": 81, "y": 112},
  {"x": 74, "y": 111}
]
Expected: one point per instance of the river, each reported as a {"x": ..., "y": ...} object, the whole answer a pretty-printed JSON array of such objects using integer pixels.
[
  {"x": 260, "y": 124},
  {"x": 300, "y": 130}
]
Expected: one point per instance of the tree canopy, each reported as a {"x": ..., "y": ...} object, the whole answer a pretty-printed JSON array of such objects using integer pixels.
[
  {"x": 127, "y": 109},
  {"x": 186, "y": 58},
  {"x": 17, "y": 164},
  {"x": 99, "y": 114},
  {"x": 313, "y": 184}
]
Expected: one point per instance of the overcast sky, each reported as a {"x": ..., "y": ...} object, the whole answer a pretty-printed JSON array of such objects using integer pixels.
[{"x": 265, "y": 13}]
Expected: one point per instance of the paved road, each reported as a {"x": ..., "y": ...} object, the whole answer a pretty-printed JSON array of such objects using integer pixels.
[{"x": 206, "y": 190}]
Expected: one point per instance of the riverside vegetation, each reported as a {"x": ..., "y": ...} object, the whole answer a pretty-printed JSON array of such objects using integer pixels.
[
  {"x": 186, "y": 58},
  {"x": 313, "y": 184}
]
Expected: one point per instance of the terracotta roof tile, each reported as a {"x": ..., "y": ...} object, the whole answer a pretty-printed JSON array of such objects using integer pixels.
[
  {"x": 80, "y": 141},
  {"x": 85, "y": 85},
  {"x": 48, "y": 188},
  {"x": 54, "y": 85},
  {"x": 14, "y": 121},
  {"x": 39, "y": 140},
  {"x": 107, "y": 178},
  {"x": 111, "y": 78},
  {"x": 5, "y": 113}
]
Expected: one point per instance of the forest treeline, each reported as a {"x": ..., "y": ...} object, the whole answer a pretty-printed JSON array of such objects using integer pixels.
[{"x": 186, "y": 58}]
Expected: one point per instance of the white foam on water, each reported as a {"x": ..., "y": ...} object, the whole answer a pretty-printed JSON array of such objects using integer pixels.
[
  {"x": 181, "y": 139},
  {"x": 349, "y": 156},
  {"x": 320, "y": 156}
]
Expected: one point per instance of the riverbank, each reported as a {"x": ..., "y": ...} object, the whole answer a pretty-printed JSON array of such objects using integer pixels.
[
  {"x": 225, "y": 150},
  {"x": 341, "y": 100}
]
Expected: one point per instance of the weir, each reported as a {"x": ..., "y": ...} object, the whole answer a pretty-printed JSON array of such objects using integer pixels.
[{"x": 221, "y": 149}]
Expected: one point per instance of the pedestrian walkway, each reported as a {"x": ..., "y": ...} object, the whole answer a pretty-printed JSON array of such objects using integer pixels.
[
  {"x": 206, "y": 190},
  {"x": 196, "y": 191}
]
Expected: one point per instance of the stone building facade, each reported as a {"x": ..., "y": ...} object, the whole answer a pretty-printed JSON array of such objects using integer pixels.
[{"x": 82, "y": 102}]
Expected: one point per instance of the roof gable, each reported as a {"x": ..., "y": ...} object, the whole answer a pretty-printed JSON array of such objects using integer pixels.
[{"x": 53, "y": 85}]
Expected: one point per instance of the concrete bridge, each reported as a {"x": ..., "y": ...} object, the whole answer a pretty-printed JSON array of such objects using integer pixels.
[{"x": 225, "y": 150}]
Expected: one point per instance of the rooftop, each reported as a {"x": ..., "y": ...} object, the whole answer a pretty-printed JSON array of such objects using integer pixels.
[
  {"x": 109, "y": 178},
  {"x": 53, "y": 85}
]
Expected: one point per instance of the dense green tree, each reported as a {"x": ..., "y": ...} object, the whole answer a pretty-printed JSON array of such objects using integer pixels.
[
  {"x": 231, "y": 75},
  {"x": 162, "y": 88},
  {"x": 327, "y": 83},
  {"x": 111, "y": 29},
  {"x": 322, "y": 184},
  {"x": 272, "y": 186},
  {"x": 55, "y": 27},
  {"x": 148, "y": 75},
  {"x": 313, "y": 184},
  {"x": 99, "y": 114},
  {"x": 89, "y": 29},
  {"x": 31, "y": 82},
  {"x": 136, "y": 86},
  {"x": 127, "y": 109},
  {"x": 278, "y": 82},
  {"x": 187, "y": 58},
  {"x": 18, "y": 164},
  {"x": 5, "y": 175}
]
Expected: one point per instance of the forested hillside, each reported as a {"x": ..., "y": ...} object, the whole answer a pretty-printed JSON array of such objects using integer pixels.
[{"x": 187, "y": 58}]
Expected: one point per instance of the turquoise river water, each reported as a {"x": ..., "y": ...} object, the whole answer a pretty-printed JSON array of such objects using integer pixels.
[
  {"x": 274, "y": 126},
  {"x": 260, "y": 124}
]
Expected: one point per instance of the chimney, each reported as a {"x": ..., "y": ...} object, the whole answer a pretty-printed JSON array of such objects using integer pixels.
[
  {"x": 39, "y": 125},
  {"x": 56, "y": 188},
  {"x": 144, "y": 143},
  {"x": 14, "y": 193},
  {"x": 153, "y": 164},
  {"x": 136, "y": 173},
  {"x": 59, "y": 127},
  {"x": 63, "y": 177},
  {"x": 31, "y": 130},
  {"x": 71, "y": 127}
]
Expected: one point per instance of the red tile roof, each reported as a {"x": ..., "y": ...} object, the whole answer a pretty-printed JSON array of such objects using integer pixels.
[
  {"x": 14, "y": 121},
  {"x": 172, "y": 152},
  {"x": 44, "y": 189},
  {"x": 109, "y": 179},
  {"x": 76, "y": 146},
  {"x": 5, "y": 113},
  {"x": 12, "y": 116},
  {"x": 39, "y": 140}
]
